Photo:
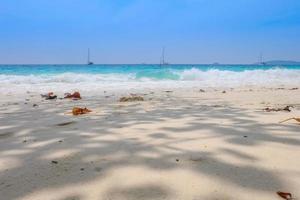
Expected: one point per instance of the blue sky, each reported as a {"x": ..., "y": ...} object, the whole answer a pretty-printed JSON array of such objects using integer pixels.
[{"x": 134, "y": 31}]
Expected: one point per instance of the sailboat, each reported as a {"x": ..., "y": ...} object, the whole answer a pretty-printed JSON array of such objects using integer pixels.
[
  {"x": 261, "y": 61},
  {"x": 89, "y": 62},
  {"x": 162, "y": 59}
]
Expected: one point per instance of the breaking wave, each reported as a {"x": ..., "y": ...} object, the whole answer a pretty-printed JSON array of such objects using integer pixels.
[{"x": 192, "y": 77}]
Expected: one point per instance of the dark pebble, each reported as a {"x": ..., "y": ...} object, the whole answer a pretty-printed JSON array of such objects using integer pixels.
[{"x": 54, "y": 162}]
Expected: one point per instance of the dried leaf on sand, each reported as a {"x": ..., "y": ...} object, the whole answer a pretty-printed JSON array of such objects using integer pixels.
[
  {"x": 80, "y": 111},
  {"x": 75, "y": 95},
  {"x": 285, "y": 195}
]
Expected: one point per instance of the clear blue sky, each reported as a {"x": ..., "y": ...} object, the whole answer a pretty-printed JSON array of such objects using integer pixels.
[{"x": 134, "y": 31}]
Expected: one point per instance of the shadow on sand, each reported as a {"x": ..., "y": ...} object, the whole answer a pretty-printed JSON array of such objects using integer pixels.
[{"x": 30, "y": 140}]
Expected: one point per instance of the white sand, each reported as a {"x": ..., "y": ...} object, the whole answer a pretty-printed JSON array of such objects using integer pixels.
[{"x": 179, "y": 145}]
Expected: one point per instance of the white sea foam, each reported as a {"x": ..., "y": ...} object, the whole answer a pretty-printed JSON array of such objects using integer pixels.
[
  {"x": 186, "y": 78},
  {"x": 272, "y": 77}
]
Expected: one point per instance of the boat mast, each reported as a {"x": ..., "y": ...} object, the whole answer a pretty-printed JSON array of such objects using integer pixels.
[
  {"x": 88, "y": 60},
  {"x": 163, "y": 56},
  {"x": 162, "y": 59}
]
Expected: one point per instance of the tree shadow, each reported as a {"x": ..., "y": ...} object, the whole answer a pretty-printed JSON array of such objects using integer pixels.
[
  {"x": 138, "y": 192},
  {"x": 91, "y": 147}
]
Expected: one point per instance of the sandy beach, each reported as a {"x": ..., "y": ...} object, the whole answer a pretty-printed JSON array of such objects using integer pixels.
[{"x": 178, "y": 144}]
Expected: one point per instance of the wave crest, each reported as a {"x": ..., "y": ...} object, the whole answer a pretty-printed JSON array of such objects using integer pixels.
[{"x": 170, "y": 78}]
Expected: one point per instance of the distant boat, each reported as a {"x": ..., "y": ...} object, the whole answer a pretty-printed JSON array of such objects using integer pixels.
[
  {"x": 89, "y": 62},
  {"x": 162, "y": 59},
  {"x": 261, "y": 60}
]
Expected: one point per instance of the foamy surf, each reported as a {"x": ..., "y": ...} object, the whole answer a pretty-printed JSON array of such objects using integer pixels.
[{"x": 148, "y": 79}]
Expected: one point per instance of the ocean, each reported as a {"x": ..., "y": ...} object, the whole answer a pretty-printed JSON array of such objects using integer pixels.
[{"x": 15, "y": 78}]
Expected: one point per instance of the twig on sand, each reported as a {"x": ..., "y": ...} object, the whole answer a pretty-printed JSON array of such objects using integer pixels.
[
  {"x": 287, "y": 108},
  {"x": 293, "y": 118}
]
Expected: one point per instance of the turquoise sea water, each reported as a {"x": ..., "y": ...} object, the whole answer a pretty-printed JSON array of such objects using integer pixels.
[
  {"x": 151, "y": 71},
  {"x": 88, "y": 77}
]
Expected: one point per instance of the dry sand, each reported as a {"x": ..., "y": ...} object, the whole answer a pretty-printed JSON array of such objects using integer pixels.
[{"x": 175, "y": 145}]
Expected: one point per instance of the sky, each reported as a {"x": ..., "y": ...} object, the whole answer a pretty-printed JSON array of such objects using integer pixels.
[{"x": 135, "y": 31}]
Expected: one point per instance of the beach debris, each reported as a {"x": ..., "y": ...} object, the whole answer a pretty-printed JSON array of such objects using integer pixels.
[
  {"x": 35, "y": 105},
  {"x": 201, "y": 90},
  {"x": 80, "y": 111},
  {"x": 74, "y": 96},
  {"x": 177, "y": 160},
  {"x": 49, "y": 96},
  {"x": 131, "y": 99},
  {"x": 168, "y": 91},
  {"x": 293, "y": 118},
  {"x": 65, "y": 123},
  {"x": 287, "y": 108},
  {"x": 224, "y": 92},
  {"x": 294, "y": 88},
  {"x": 285, "y": 195},
  {"x": 54, "y": 162}
]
